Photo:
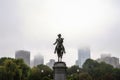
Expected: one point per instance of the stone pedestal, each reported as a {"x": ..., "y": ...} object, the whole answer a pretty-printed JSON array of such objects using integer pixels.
[{"x": 59, "y": 71}]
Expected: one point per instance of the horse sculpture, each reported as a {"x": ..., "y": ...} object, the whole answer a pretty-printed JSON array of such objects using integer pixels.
[
  {"x": 59, "y": 47},
  {"x": 59, "y": 52}
]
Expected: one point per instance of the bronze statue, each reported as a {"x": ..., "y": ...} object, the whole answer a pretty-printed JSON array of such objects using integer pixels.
[{"x": 59, "y": 47}]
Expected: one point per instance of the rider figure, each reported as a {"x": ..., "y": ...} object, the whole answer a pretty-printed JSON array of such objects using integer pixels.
[{"x": 59, "y": 42}]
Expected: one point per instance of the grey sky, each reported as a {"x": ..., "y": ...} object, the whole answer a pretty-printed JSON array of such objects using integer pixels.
[{"x": 34, "y": 24}]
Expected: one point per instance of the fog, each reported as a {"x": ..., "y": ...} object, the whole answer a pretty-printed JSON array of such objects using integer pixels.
[{"x": 34, "y": 25}]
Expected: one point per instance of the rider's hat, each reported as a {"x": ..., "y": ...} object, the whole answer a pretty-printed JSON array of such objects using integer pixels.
[{"x": 59, "y": 34}]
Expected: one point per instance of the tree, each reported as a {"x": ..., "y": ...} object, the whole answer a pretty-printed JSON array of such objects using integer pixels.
[
  {"x": 2, "y": 73},
  {"x": 72, "y": 72},
  {"x": 116, "y": 73},
  {"x": 46, "y": 78},
  {"x": 105, "y": 71},
  {"x": 73, "y": 76},
  {"x": 90, "y": 66},
  {"x": 14, "y": 69},
  {"x": 98, "y": 71},
  {"x": 23, "y": 69},
  {"x": 39, "y": 72},
  {"x": 45, "y": 70},
  {"x": 2, "y": 60},
  {"x": 72, "y": 69},
  {"x": 34, "y": 74},
  {"x": 85, "y": 76},
  {"x": 10, "y": 69}
]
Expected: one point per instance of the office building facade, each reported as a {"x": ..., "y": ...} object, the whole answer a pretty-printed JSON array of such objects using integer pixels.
[
  {"x": 22, "y": 54},
  {"x": 38, "y": 59},
  {"x": 51, "y": 63},
  {"x": 83, "y": 55}
]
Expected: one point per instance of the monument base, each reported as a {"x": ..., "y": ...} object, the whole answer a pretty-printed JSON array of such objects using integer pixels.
[{"x": 59, "y": 71}]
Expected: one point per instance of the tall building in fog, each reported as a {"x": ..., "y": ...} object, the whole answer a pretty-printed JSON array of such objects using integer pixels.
[
  {"x": 38, "y": 59},
  {"x": 51, "y": 63},
  {"x": 76, "y": 63},
  {"x": 22, "y": 54},
  {"x": 83, "y": 55},
  {"x": 105, "y": 55},
  {"x": 114, "y": 61},
  {"x": 32, "y": 63}
]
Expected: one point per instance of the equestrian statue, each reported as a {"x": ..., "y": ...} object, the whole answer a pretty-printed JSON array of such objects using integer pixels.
[{"x": 59, "y": 47}]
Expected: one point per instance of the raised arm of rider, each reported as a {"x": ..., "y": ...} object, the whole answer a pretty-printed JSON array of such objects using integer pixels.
[{"x": 55, "y": 42}]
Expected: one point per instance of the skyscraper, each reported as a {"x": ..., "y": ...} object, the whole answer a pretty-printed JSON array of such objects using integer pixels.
[
  {"x": 83, "y": 55},
  {"x": 76, "y": 62},
  {"x": 51, "y": 63},
  {"x": 114, "y": 61},
  {"x": 38, "y": 59},
  {"x": 105, "y": 55},
  {"x": 32, "y": 63},
  {"x": 22, "y": 54}
]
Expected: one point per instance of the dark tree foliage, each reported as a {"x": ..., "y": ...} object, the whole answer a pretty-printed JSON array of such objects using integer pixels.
[
  {"x": 72, "y": 69},
  {"x": 116, "y": 73},
  {"x": 2, "y": 60},
  {"x": 13, "y": 69},
  {"x": 84, "y": 76},
  {"x": 101, "y": 71},
  {"x": 16, "y": 69},
  {"x": 72, "y": 73},
  {"x": 41, "y": 72}
]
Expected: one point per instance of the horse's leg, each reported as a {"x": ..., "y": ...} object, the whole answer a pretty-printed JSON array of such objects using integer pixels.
[
  {"x": 61, "y": 57},
  {"x": 58, "y": 59}
]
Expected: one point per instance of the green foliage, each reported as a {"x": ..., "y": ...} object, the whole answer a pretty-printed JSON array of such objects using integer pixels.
[
  {"x": 2, "y": 60},
  {"x": 41, "y": 72},
  {"x": 13, "y": 69},
  {"x": 72, "y": 69},
  {"x": 85, "y": 76},
  {"x": 98, "y": 71},
  {"x": 89, "y": 65},
  {"x": 34, "y": 75},
  {"x": 73, "y": 76},
  {"x": 46, "y": 78},
  {"x": 10, "y": 69},
  {"x": 2, "y": 73},
  {"x": 16, "y": 69},
  {"x": 116, "y": 73},
  {"x": 72, "y": 73}
]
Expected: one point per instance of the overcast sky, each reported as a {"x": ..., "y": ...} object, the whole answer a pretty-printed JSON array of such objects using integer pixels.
[{"x": 34, "y": 24}]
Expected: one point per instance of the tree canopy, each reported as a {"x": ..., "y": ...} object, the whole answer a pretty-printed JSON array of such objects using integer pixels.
[{"x": 16, "y": 69}]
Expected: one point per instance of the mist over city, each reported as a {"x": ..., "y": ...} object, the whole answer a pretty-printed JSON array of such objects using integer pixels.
[
  {"x": 34, "y": 25},
  {"x": 59, "y": 39}
]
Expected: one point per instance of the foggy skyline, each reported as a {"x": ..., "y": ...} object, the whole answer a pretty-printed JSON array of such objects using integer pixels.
[{"x": 34, "y": 25}]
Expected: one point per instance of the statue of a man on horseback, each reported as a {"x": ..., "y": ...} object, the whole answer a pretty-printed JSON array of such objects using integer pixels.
[{"x": 59, "y": 47}]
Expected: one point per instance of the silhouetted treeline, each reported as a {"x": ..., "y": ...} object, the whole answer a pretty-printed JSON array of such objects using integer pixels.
[
  {"x": 16, "y": 69},
  {"x": 92, "y": 70}
]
